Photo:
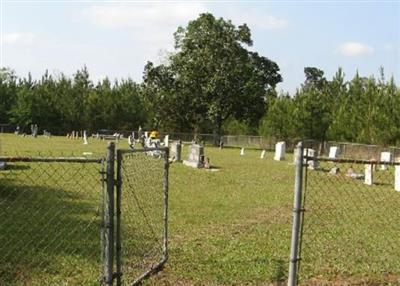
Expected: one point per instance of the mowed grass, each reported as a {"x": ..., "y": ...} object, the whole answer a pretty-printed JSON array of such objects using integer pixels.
[{"x": 227, "y": 227}]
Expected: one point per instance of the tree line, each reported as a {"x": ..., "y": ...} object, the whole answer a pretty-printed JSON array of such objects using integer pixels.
[
  {"x": 364, "y": 110},
  {"x": 211, "y": 83}
]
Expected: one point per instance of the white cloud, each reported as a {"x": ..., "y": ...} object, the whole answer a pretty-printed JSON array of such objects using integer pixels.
[
  {"x": 151, "y": 26},
  {"x": 353, "y": 49},
  {"x": 17, "y": 38},
  {"x": 143, "y": 16}
]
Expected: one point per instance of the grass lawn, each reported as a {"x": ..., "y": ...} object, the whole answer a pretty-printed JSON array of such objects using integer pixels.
[{"x": 226, "y": 227}]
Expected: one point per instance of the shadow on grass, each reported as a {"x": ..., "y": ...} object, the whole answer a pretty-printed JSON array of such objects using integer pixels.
[
  {"x": 48, "y": 236},
  {"x": 10, "y": 166}
]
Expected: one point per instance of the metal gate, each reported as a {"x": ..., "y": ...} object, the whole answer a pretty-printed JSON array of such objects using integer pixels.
[
  {"x": 53, "y": 208},
  {"x": 142, "y": 213}
]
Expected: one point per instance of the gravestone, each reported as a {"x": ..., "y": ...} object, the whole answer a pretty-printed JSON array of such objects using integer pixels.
[
  {"x": 385, "y": 157},
  {"x": 175, "y": 151},
  {"x": 309, "y": 153},
  {"x": 262, "y": 156},
  {"x": 196, "y": 156},
  {"x": 334, "y": 171},
  {"x": 280, "y": 149},
  {"x": 242, "y": 152},
  {"x": 368, "y": 174},
  {"x": 85, "y": 141},
  {"x": 166, "y": 140},
  {"x": 397, "y": 178},
  {"x": 333, "y": 152}
]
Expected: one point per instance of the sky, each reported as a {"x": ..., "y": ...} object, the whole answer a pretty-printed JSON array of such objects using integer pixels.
[{"x": 117, "y": 38}]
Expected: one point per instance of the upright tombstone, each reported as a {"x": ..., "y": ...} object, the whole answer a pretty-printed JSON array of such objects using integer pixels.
[
  {"x": 85, "y": 141},
  {"x": 280, "y": 149},
  {"x": 146, "y": 134},
  {"x": 262, "y": 156},
  {"x": 385, "y": 157},
  {"x": 368, "y": 174},
  {"x": 166, "y": 140},
  {"x": 242, "y": 152},
  {"x": 333, "y": 152},
  {"x": 175, "y": 151},
  {"x": 397, "y": 178},
  {"x": 196, "y": 156}
]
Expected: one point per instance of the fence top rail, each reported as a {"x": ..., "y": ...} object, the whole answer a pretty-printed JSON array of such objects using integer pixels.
[
  {"x": 51, "y": 159},
  {"x": 127, "y": 151},
  {"x": 355, "y": 161}
]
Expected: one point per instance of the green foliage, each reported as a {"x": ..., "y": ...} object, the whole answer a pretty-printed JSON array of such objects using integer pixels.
[
  {"x": 361, "y": 110},
  {"x": 211, "y": 77},
  {"x": 277, "y": 122},
  {"x": 61, "y": 104}
]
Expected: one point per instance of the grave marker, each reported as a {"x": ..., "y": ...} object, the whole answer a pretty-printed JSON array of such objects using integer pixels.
[
  {"x": 175, "y": 151},
  {"x": 242, "y": 152},
  {"x": 85, "y": 141},
  {"x": 280, "y": 148},
  {"x": 333, "y": 152},
  {"x": 166, "y": 140},
  {"x": 196, "y": 156},
  {"x": 262, "y": 156},
  {"x": 385, "y": 157},
  {"x": 368, "y": 174}
]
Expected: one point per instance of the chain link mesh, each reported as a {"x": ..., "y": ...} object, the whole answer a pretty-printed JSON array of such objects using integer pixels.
[
  {"x": 350, "y": 231},
  {"x": 50, "y": 213},
  {"x": 143, "y": 207}
]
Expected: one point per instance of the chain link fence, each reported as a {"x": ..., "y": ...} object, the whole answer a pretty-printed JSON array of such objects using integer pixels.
[
  {"x": 80, "y": 221},
  {"x": 50, "y": 213},
  {"x": 346, "y": 216},
  {"x": 143, "y": 205}
]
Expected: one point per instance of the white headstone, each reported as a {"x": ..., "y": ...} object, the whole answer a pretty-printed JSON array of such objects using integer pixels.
[
  {"x": 385, "y": 157},
  {"x": 130, "y": 140},
  {"x": 313, "y": 164},
  {"x": 175, "y": 151},
  {"x": 146, "y": 134},
  {"x": 333, "y": 152},
  {"x": 397, "y": 178},
  {"x": 242, "y": 152},
  {"x": 85, "y": 141},
  {"x": 308, "y": 152},
  {"x": 166, "y": 141},
  {"x": 368, "y": 174},
  {"x": 262, "y": 156},
  {"x": 196, "y": 156},
  {"x": 280, "y": 149}
]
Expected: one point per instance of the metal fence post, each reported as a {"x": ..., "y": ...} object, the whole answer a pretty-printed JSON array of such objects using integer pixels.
[
  {"x": 165, "y": 189},
  {"x": 297, "y": 209},
  {"x": 109, "y": 216},
  {"x": 118, "y": 242}
]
